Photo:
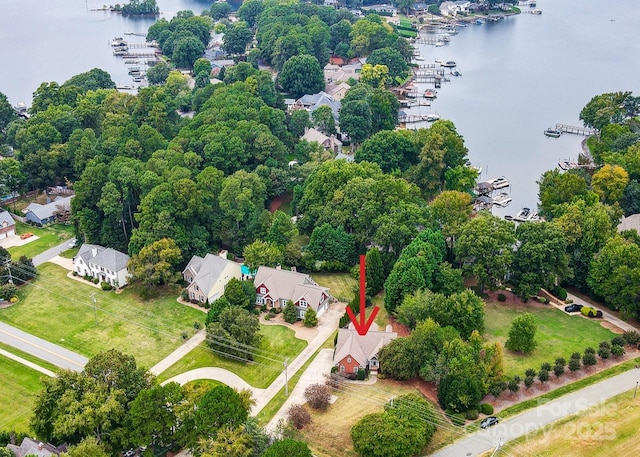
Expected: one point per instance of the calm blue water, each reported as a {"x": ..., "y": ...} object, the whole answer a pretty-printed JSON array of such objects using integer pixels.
[
  {"x": 519, "y": 76},
  {"x": 527, "y": 72}
]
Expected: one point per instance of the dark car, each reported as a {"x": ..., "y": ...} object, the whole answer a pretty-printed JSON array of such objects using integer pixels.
[
  {"x": 573, "y": 308},
  {"x": 488, "y": 421}
]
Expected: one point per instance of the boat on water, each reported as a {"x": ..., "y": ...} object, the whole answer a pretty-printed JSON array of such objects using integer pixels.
[
  {"x": 440, "y": 43},
  {"x": 439, "y": 62},
  {"x": 456, "y": 73},
  {"x": 431, "y": 117},
  {"x": 503, "y": 200},
  {"x": 430, "y": 93},
  {"x": 523, "y": 215},
  {"x": 499, "y": 183},
  {"x": 418, "y": 57},
  {"x": 449, "y": 64},
  {"x": 552, "y": 133}
]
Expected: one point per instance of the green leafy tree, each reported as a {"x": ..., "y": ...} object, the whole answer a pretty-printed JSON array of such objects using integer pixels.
[
  {"x": 609, "y": 182},
  {"x": 7, "y": 113},
  {"x": 310, "y": 318},
  {"x": 602, "y": 109},
  {"x": 289, "y": 312},
  {"x": 398, "y": 359},
  {"x": 556, "y": 188},
  {"x": 237, "y": 37},
  {"x": 484, "y": 247},
  {"x": 540, "y": 260},
  {"x": 186, "y": 51},
  {"x": 331, "y": 244},
  {"x": 355, "y": 120},
  {"x": 299, "y": 121},
  {"x": 235, "y": 294},
  {"x": 93, "y": 79},
  {"x": 614, "y": 275},
  {"x": 374, "y": 75},
  {"x": 391, "y": 149},
  {"x": 155, "y": 264},
  {"x": 250, "y": 10},
  {"x": 282, "y": 229},
  {"x": 263, "y": 253},
  {"x": 219, "y": 10},
  {"x": 219, "y": 407},
  {"x": 301, "y": 74},
  {"x": 522, "y": 334},
  {"x": 229, "y": 441},
  {"x": 154, "y": 415},
  {"x": 87, "y": 447},
  {"x": 235, "y": 335},
  {"x": 374, "y": 272},
  {"x": 159, "y": 73},
  {"x": 323, "y": 119}
]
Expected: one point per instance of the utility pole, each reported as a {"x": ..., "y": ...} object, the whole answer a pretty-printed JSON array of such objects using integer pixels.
[
  {"x": 95, "y": 312},
  {"x": 635, "y": 391},
  {"x": 286, "y": 377},
  {"x": 500, "y": 444},
  {"x": 8, "y": 264}
]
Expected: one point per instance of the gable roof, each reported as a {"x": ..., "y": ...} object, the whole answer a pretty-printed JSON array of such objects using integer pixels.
[
  {"x": 46, "y": 211},
  {"x": 32, "y": 447},
  {"x": 314, "y": 101},
  {"x": 108, "y": 258},
  {"x": 360, "y": 347},
  {"x": 212, "y": 273},
  {"x": 6, "y": 217},
  {"x": 630, "y": 223},
  {"x": 290, "y": 285}
]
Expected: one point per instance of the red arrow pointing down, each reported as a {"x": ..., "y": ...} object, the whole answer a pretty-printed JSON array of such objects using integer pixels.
[{"x": 363, "y": 326}]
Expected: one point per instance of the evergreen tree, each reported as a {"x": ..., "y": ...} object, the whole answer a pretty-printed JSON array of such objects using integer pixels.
[{"x": 375, "y": 272}]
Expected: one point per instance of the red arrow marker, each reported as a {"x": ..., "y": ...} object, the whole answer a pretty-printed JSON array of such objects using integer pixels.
[{"x": 363, "y": 326}]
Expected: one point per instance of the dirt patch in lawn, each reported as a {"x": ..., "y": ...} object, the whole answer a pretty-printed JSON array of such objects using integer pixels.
[
  {"x": 612, "y": 327},
  {"x": 278, "y": 201}
]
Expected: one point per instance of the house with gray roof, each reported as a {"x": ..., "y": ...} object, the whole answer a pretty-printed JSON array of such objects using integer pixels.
[
  {"x": 207, "y": 277},
  {"x": 106, "y": 264},
  {"x": 7, "y": 225},
  {"x": 39, "y": 214},
  {"x": 631, "y": 222},
  {"x": 31, "y": 447},
  {"x": 314, "y": 101},
  {"x": 329, "y": 143},
  {"x": 355, "y": 352},
  {"x": 275, "y": 287}
]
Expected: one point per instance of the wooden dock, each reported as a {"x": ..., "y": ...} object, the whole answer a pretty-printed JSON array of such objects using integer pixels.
[{"x": 584, "y": 131}]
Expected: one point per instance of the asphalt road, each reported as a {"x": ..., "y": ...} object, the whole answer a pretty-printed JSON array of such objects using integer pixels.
[
  {"x": 42, "y": 349},
  {"x": 50, "y": 253},
  {"x": 543, "y": 415}
]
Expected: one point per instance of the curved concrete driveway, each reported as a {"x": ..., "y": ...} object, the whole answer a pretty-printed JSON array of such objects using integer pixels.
[{"x": 217, "y": 374}]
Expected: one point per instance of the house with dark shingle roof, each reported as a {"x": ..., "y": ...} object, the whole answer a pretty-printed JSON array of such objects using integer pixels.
[
  {"x": 46, "y": 214},
  {"x": 355, "y": 352},
  {"x": 106, "y": 264},
  {"x": 275, "y": 287},
  {"x": 208, "y": 276}
]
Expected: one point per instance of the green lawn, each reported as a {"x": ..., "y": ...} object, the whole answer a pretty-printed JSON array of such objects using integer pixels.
[
  {"x": 341, "y": 285},
  {"x": 558, "y": 335},
  {"x": 49, "y": 237},
  {"x": 59, "y": 309},
  {"x": 17, "y": 389},
  {"x": 28, "y": 357},
  {"x": 277, "y": 340}
]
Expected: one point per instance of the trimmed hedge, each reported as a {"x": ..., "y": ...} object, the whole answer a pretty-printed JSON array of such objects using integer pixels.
[{"x": 486, "y": 409}]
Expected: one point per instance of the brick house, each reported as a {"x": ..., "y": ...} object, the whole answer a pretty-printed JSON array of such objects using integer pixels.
[{"x": 356, "y": 352}]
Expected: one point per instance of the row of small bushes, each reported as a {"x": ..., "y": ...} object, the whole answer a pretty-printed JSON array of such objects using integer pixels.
[
  {"x": 471, "y": 414},
  {"x": 605, "y": 350}
]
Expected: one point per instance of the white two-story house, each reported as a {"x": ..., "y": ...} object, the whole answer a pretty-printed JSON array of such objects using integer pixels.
[{"x": 106, "y": 264}]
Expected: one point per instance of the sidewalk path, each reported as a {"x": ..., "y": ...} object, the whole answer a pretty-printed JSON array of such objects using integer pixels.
[
  {"x": 179, "y": 353},
  {"x": 217, "y": 374},
  {"x": 314, "y": 374},
  {"x": 31, "y": 365},
  {"x": 545, "y": 414}
]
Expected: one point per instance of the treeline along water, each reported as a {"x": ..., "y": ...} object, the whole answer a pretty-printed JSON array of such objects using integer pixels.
[{"x": 519, "y": 75}]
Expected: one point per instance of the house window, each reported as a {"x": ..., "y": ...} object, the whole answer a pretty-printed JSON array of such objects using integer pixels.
[
  {"x": 263, "y": 290},
  {"x": 197, "y": 288},
  {"x": 193, "y": 295},
  {"x": 348, "y": 359},
  {"x": 356, "y": 369},
  {"x": 341, "y": 368},
  {"x": 260, "y": 300},
  {"x": 302, "y": 303}
]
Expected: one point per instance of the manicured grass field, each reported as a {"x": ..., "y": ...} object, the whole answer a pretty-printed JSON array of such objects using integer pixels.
[
  {"x": 610, "y": 429},
  {"x": 48, "y": 237},
  {"x": 277, "y": 341},
  {"x": 60, "y": 310},
  {"x": 17, "y": 389},
  {"x": 341, "y": 285},
  {"x": 558, "y": 335}
]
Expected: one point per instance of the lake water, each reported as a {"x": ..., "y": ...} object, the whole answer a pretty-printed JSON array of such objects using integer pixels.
[
  {"x": 519, "y": 76},
  {"x": 528, "y": 72}
]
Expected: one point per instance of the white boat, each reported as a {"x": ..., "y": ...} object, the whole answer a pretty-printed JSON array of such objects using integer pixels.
[
  {"x": 502, "y": 200},
  {"x": 431, "y": 117},
  {"x": 418, "y": 57},
  {"x": 439, "y": 43},
  {"x": 499, "y": 183},
  {"x": 524, "y": 215}
]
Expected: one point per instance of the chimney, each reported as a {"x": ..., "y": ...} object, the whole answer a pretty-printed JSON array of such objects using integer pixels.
[
  {"x": 294, "y": 269},
  {"x": 94, "y": 252},
  {"x": 223, "y": 253}
]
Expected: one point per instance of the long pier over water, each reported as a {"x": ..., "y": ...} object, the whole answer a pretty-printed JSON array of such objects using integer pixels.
[{"x": 585, "y": 131}]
